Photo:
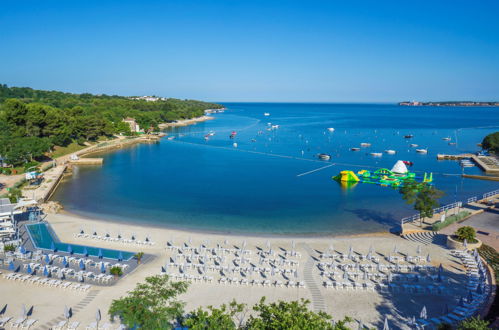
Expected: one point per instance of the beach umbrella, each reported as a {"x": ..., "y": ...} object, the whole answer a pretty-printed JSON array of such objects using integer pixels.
[
  {"x": 47, "y": 259},
  {"x": 60, "y": 274},
  {"x": 423, "y": 315},
  {"x": 369, "y": 256},
  {"x": 296, "y": 273},
  {"x": 102, "y": 267},
  {"x": 120, "y": 256},
  {"x": 440, "y": 269},
  {"x": 461, "y": 302},
  {"x": 293, "y": 245},
  {"x": 439, "y": 277},
  {"x": 98, "y": 317},
  {"x": 378, "y": 267},
  {"x": 24, "y": 311},
  {"x": 413, "y": 320},
  {"x": 395, "y": 250},
  {"x": 67, "y": 312},
  {"x": 163, "y": 270},
  {"x": 82, "y": 264},
  {"x": 22, "y": 250},
  {"x": 365, "y": 276},
  {"x": 85, "y": 251},
  {"x": 4, "y": 309},
  {"x": 70, "y": 249},
  {"x": 80, "y": 277},
  {"x": 361, "y": 326},
  {"x": 52, "y": 246},
  {"x": 390, "y": 277},
  {"x": 273, "y": 271},
  {"x": 345, "y": 276},
  {"x": 385, "y": 324},
  {"x": 428, "y": 259},
  {"x": 45, "y": 271},
  {"x": 465, "y": 244},
  {"x": 268, "y": 244},
  {"x": 397, "y": 268},
  {"x": 11, "y": 266},
  {"x": 29, "y": 270},
  {"x": 64, "y": 261},
  {"x": 418, "y": 250},
  {"x": 99, "y": 254},
  {"x": 479, "y": 289}
]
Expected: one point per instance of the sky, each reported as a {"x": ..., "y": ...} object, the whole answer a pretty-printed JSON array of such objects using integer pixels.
[{"x": 277, "y": 51}]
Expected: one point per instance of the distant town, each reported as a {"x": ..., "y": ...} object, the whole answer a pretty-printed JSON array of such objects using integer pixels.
[{"x": 450, "y": 104}]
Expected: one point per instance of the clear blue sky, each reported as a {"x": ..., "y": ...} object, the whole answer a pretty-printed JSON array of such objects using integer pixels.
[{"x": 322, "y": 51}]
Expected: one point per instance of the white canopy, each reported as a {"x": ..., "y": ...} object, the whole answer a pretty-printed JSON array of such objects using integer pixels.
[{"x": 399, "y": 167}]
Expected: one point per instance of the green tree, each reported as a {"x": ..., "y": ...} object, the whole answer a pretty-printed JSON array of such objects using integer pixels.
[
  {"x": 116, "y": 271},
  {"x": 491, "y": 142},
  {"x": 423, "y": 196},
  {"x": 473, "y": 323},
  {"x": 139, "y": 256},
  {"x": 151, "y": 305},
  {"x": 215, "y": 318},
  {"x": 291, "y": 315},
  {"x": 466, "y": 233}
]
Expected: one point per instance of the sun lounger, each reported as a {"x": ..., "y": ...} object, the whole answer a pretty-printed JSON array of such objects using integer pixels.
[
  {"x": 91, "y": 326},
  {"x": 17, "y": 323},
  {"x": 28, "y": 323},
  {"x": 60, "y": 325},
  {"x": 4, "y": 321},
  {"x": 74, "y": 325}
]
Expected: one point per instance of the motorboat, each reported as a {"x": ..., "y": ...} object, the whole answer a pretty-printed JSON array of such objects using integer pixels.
[
  {"x": 234, "y": 145},
  {"x": 354, "y": 149},
  {"x": 275, "y": 126},
  {"x": 211, "y": 133},
  {"x": 330, "y": 129},
  {"x": 452, "y": 143},
  {"x": 324, "y": 156},
  {"x": 233, "y": 134},
  {"x": 170, "y": 137},
  {"x": 413, "y": 145},
  {"x": 446, "y": 138},
  {"x": 408, "y": 136},
  {"x": 422, "y": 151},
  {"x": 365, "y": 144},
  {"x": 390, "y": 152},
  {"x": 376, "y": 154},
  {"x": 266, "y": 114}
]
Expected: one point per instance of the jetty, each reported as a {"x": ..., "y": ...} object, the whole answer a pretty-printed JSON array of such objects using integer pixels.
[
  {"x": 87, "y": 161},
  {"x": 489, "y": 164}
]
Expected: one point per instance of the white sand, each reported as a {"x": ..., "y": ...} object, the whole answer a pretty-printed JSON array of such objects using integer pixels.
[{"x": 49, "y": 302}]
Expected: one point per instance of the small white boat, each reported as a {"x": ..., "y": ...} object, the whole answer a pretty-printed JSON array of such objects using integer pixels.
[
  {"x": 365, "y": 144},
  {"x": 234, "y": 145},
  {"x": 390, "y": 152},
  {"x": 324, "y": 156},
  {"x": 422, "y": 151},
  {"x": 170, "y": 138},
  {"x": 446, "y": 139},
  {"x": 211, "y": 133},
  {"x": 354, "y": 149},
  {"x": 266, "y": 114},
  {"x": 275, "y": 126},
  {"x": 330, "y": 129},
  {"x": 414, "y": 145},
  {"x": 452, "y": 143},
  {"x": 376, "y": 154}
]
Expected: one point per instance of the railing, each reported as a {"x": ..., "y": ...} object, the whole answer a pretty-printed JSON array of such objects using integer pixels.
[
  {"x": 451, "y": 206},
  {"x": 490, "y": 194}
]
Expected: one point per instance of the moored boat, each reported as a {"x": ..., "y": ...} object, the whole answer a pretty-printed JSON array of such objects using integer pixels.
[
  {"x": 233, "y": 134},
  {"x": 354, "y": 149},
  {"x": 365, "y": 144},
  {"x": 390, "y": 152},
  {"x": 266, "y": 114},
  {"x": 446, "y": 139},
  {"x": 408, "y": 136},
  {"x": 324, "y": 156},
  {"x": 422, "y": 151},
  {"x": 376, "y": 154},
  {"x": 330, "y": 129},
  {"x": 414, "y": 145}
]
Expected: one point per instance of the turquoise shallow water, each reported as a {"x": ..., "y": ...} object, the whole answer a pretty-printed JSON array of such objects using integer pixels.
[{"x": 210, "y": 185}]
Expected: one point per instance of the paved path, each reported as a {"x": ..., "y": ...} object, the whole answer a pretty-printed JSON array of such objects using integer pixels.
[{"x": 318, "y": 302}]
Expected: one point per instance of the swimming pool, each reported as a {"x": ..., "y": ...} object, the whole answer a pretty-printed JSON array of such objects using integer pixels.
[{"x": 44, "y": 239}]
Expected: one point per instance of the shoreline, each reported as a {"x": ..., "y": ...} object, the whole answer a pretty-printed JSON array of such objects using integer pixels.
[
  {"x": 185, "y": 122},
  {"x": 242, "y": 235}
]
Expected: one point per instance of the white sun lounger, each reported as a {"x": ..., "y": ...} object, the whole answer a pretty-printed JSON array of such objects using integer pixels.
[
  {"x": 17, "y": 323},
  {"x": 28, "y": 323},
  {"x": 74, "y": 325},
  {"x": 4, "y": 321},
  {"x": 91, "y": 326},
  {"x": 60, "y": 325}
]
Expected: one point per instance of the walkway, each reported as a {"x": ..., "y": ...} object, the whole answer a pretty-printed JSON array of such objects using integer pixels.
[{"x": 318, "y": 302}]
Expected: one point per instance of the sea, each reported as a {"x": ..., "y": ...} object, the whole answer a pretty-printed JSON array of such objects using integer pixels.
[{"x": 268, "y": 180}]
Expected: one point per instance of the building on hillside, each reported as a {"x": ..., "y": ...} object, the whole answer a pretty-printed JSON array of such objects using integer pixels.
[
  {"x": 148, "y": 98},
  {"x": 134, "y": 127}
]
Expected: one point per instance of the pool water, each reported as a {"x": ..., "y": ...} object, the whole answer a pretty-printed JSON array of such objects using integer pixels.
[{"x": 42, "y": 238}]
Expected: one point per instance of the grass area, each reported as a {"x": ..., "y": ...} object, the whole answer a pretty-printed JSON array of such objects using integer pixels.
[
  {"x": 62, "y": 151},
  {"x": 450, "y": 220},
  {"x": 492, "y": 257}
]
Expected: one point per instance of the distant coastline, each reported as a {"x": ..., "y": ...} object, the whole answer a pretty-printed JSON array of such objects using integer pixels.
[{"x": 449, "y": 104}]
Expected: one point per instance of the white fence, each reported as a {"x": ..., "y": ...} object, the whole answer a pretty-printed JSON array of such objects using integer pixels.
[{"x": 451, "y": 206}]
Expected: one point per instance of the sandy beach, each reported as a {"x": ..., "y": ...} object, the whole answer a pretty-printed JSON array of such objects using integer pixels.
[{"x": 365, "y": 305}]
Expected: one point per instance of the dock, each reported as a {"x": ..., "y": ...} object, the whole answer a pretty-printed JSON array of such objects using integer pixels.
[
  {"x": 489, "y": 164},
  {"x": 87, "y": 161}
]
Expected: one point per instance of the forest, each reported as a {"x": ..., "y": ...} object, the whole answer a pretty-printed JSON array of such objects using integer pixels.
[{"x": 33, "y": 122}]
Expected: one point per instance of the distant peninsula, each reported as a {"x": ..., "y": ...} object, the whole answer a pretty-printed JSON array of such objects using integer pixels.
[{"x": 449, "y": 104}]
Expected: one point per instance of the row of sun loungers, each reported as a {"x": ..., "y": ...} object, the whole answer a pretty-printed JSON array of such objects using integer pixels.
[
  {"x": 122, "y": 240},
  {"x": 17, "y": 323},
  {"x": 47, "y": 282},
  {"x": 379, "y": 266}
]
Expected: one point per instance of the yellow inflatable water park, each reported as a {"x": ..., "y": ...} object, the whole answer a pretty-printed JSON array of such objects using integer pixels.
[{"x": 384, "y": 177}]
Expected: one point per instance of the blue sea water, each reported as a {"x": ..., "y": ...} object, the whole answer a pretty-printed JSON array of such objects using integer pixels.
[{"x": 211, "y": 185}]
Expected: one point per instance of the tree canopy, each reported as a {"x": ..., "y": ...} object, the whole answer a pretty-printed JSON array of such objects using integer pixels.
[
  {"x": 491, "y": 142},
  {"x": 423, "y": 196},
  {"x": 56, "y": 119}
]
